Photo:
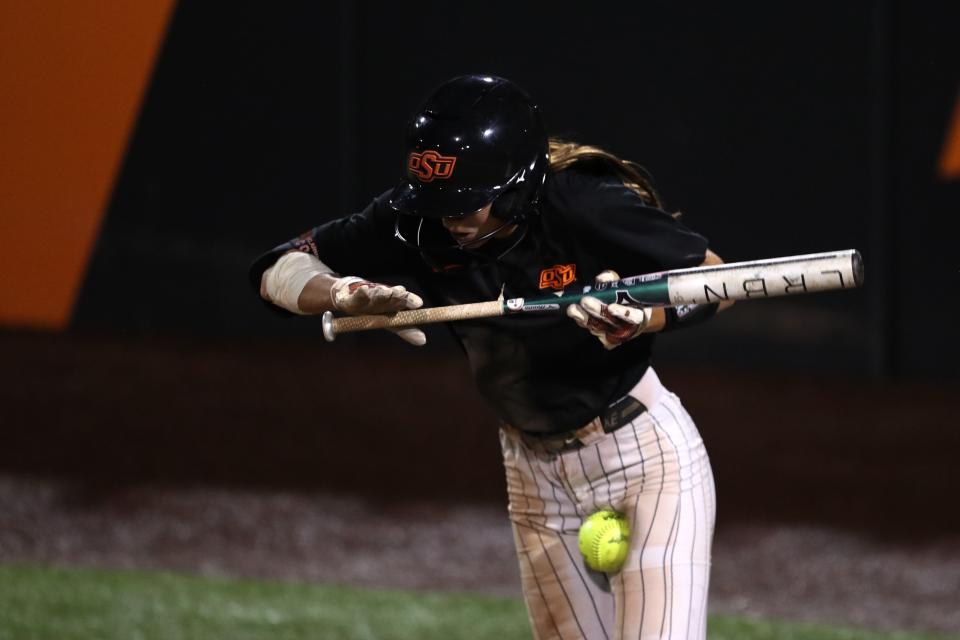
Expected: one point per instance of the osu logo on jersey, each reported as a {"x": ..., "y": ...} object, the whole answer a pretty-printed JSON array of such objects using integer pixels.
[
  {"x": 430, "y": 165},
  {"x": 558, "y": 276}
]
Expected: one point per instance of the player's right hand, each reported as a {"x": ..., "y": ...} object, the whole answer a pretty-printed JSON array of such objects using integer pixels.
[
  {"x": 357, "y": 296},
  {"x": 612, "y": 324}
]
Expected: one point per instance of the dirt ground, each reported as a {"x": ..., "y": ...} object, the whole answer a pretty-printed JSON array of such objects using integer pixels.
[
  {"x": 836, "y": 497},
  {"x": 795, "y": 572}
]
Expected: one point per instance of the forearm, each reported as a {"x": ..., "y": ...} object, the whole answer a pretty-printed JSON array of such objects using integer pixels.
[
  {"x": 301, "y": 283},
  {"x": 315, "y": 297},
  {"x": 298, "y": 282},
  {"x": 658, "y": 320}
]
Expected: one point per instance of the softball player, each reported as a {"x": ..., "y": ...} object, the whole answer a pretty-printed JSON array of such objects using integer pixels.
[{"x": 490, "y": 206}]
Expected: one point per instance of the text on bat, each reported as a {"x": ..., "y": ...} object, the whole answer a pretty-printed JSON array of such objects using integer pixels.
[
  {"x": 631, "y": 281},
  {"x": 707, "y": 291},
  {"x": 839, "y": 275},
  {"x": 751, "y": 288},
  {"x": 624, "y": 297},
  {"x": 791, "y": 284}
]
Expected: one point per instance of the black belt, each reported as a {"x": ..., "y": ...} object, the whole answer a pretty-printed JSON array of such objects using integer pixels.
[
  {"x": 623, "y": 411},
  {"x": 617, "y": 414}
]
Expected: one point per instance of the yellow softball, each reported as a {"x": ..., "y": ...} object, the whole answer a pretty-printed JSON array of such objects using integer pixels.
[{"x": 604, "y": 539}]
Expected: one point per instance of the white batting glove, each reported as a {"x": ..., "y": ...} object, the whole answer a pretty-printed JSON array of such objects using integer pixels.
[
  {"x": 612, "y": 324},
  {"x": 357, "y": 296}
]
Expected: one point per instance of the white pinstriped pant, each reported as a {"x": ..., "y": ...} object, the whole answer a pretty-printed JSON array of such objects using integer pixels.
[{"x": 656, "y": 471}]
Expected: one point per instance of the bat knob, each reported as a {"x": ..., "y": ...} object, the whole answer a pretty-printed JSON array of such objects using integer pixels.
[{"x": 327, "y": 323}]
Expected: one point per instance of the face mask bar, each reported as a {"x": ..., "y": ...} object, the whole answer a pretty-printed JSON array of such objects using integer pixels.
[{"x": 461, "y": 255}]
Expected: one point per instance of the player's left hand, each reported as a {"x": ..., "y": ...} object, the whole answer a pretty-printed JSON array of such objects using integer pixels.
[
  {"x": 612, "y": 324},
  {"x": 358, "y": 296}
]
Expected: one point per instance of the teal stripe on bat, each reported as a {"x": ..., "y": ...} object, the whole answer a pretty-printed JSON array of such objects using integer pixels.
[{"x": 652, "y": 291}]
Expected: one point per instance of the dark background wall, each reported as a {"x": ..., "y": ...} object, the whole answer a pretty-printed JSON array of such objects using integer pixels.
[{"x": 777, "y": 130}]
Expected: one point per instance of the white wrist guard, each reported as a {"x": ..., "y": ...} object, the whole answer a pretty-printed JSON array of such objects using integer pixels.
[{"x": 285, "y": 280}]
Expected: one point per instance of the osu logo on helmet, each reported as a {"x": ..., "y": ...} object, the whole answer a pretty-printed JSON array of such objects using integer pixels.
[
  {"x": 430, "y": 165},
  {"x": 558, "y": 276}
]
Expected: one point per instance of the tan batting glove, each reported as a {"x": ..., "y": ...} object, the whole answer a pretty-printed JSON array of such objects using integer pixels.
[
  {"x": 612, "y": 324},
  {"x": 357, "y": 296}
]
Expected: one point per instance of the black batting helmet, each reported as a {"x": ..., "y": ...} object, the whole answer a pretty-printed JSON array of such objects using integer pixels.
[{"x": 476, "y": 140}]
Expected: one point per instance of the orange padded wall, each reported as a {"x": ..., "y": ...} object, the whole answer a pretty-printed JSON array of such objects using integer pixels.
[
  {"x": 72, "y": 76},
  {"x": 950, "y": 158}
]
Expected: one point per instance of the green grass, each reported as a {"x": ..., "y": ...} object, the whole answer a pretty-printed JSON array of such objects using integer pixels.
[{"x": 84, "y": 604}]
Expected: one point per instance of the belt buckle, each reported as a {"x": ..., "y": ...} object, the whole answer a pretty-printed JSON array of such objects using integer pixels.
[
  {"x": 562, "y": 443},
  {"x": 570, "y": 444},
  {"x": 552, "y": 444}
]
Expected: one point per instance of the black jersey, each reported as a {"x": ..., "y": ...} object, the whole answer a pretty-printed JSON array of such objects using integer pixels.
[{"x": 541, "y": 373}]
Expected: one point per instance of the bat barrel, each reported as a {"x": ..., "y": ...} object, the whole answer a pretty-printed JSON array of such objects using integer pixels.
[{"x": 766, "y": 278}]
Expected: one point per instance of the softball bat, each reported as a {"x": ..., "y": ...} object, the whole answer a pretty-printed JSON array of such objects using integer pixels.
[{"x": 773, "y": 277}]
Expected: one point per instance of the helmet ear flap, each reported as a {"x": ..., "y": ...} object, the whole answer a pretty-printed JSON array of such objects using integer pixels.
[
  {"x": 505, "y": 207},
  {"x": 511, "y": 206}
]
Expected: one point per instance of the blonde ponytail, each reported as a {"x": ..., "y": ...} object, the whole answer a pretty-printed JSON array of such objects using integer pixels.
[{"x": 564, "y": 153}]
